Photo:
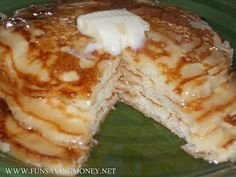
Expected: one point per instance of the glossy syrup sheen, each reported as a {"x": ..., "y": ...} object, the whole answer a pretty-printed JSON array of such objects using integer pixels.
[{"x": 44, "y": 19}]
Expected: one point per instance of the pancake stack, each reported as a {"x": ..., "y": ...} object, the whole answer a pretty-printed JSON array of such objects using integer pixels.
[
  {"x": 182, "y": 79},
  {"x": 57, "y": 94},
  {"x": 56, "y": 90}
]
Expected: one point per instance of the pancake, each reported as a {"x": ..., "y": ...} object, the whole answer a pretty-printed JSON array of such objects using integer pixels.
[
  {"x": 56, "y": 89},
  {"x": 59, "y": 89},
  {"x": 31, "y": 147},
  {"x": 183, "y": 72}
]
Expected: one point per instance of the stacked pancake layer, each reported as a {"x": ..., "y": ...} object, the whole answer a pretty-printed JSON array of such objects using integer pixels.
[{"x": 58, "y": 91}]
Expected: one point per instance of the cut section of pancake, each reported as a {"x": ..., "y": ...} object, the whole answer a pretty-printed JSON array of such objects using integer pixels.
[
  {"x": 218, "y": 145},
  {"x": 59, "y": 89},
  {"x": 184, "y": 68}
]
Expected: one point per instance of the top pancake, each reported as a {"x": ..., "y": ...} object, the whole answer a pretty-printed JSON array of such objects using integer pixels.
[{"x": 47, "y": 50}]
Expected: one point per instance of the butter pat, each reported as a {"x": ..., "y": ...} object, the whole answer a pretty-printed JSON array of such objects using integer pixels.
[{"x": 114, "y": 30}]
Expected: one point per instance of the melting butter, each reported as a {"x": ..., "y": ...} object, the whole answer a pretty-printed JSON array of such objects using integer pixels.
[{"x": 114, "y": 30}]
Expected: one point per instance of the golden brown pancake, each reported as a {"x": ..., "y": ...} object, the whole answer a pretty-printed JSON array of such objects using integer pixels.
[
  {"x": 30, "y": 147},
  {"x": 58, "y": 94}
]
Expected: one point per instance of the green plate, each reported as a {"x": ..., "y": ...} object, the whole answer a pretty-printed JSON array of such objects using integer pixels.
[{"x": 136, "y": 145}]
